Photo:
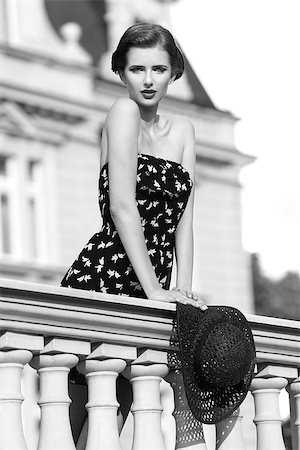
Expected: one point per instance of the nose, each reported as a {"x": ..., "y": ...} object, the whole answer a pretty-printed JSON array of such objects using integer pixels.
[{"x": 148, "y": 79}]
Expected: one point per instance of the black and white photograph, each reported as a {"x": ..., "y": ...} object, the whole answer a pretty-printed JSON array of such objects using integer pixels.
[{"x": 149, "y": 225}]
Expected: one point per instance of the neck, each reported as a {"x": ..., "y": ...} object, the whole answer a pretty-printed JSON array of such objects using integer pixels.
[{"x": 149, "y": 115}]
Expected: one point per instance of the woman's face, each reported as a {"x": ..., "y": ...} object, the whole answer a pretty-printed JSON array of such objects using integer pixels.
[{"x": 147, "y": 74}]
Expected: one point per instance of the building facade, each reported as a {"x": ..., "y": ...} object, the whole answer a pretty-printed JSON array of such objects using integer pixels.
[{"x": 55, "y": 89}]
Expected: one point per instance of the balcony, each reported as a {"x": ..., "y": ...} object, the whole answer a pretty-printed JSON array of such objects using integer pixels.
[{"x": 46, "y": 330}]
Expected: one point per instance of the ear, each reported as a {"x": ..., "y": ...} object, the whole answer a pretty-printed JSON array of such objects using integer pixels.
[
  {"x": 172, "y": 79},
  {"x": 123, "y": 78}
]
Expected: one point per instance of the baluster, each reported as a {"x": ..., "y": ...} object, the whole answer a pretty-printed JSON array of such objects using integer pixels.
[
  {"x": 54, "y": 401},
  {"x": 11, "y": 398},
  {"x": 147, "y": 408},
  {"x": 229, "y": 434},
  {"x": 102, "y": 403},
  {"x": 294, "y": 393},
  {"x": 267, "y": 416},
  {"x": 101, "y": 369}
]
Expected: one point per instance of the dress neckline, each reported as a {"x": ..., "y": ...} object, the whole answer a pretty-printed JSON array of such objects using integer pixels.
[
  {"x": 159, "y": 158},
  {"x": 167, "y": 160},
  {"x": 163, "y": 159}
]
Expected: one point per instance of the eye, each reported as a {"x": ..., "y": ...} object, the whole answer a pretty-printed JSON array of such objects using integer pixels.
[
  {"x": 136, "y": 69},
  {"x": 160, "y": 69}
]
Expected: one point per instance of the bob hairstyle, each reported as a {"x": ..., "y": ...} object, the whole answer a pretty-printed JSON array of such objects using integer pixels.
[{"x": 147, "y": 35}]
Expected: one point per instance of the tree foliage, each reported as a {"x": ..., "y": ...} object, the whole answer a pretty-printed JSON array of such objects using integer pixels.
[{"x": 277, "y": 298}]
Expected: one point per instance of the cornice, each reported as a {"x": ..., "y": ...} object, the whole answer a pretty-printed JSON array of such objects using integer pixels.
[
  {"x": 32, "y": 121},
  {"x": 44, "y": 112},
  {"x": 47, "y": 60},
  {"x": 220, "y": 156},
  {"x": 13, "y": 92}
]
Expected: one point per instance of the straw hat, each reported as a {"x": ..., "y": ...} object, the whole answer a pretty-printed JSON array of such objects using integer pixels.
[{"x": 217, "y": 355}]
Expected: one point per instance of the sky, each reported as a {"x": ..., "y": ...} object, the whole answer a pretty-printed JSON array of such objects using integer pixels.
[{"x": 245, "y": 53}]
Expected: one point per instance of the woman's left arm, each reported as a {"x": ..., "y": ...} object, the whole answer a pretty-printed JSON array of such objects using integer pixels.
[{"x": 184, "y": 241}]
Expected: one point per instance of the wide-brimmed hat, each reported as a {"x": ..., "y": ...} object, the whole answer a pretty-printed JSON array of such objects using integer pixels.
[{"x": 218, "y": 358}]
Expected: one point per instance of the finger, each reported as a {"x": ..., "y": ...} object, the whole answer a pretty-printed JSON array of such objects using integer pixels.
[
  {"x": 202, "y": 305},
  {"x": 187, "y": 294},
  {"x": 193, "y": 303},
  {"x": 198, "y": 304},
  {"x": 181, "y": 300},
  {"x": 188, "y": 301},
  {"x": 181, "y": 294}
]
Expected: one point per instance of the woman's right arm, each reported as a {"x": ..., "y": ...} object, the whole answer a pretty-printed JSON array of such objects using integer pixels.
[{"x": 123, "y": 126}]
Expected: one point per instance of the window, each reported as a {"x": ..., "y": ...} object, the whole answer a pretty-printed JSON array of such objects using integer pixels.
[
  {"x": 32, "y": 237},
  {"x": 5, "y": 224},
  {"x": 3, "y": 166},
  {"x": 6, "y": 213},
  {"x": 34, "y": 209},
  {"x": 22, "y": 208},
  {"x": 33, "y": 167}
]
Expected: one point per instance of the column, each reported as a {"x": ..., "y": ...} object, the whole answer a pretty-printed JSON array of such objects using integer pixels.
[
  {"x": 267, "y": 416},
  {"x": 294, "y": 393},
  {"x": 102, "y": 406},
  {"x": 11, "y": 398},
  {"x": 54, "y": 401},
  {"x": 145, "y": 376}
]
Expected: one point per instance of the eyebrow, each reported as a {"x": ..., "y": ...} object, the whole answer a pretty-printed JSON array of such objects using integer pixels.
[{"x": 136, "y": 66}]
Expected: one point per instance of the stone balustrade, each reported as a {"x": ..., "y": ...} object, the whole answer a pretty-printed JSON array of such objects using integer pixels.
[{"x": 45, "y": 331}]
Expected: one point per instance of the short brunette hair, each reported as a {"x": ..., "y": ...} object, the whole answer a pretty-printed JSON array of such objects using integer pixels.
[{"x": 147, "y": 35}]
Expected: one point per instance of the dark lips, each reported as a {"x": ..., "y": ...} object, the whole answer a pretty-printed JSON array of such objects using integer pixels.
[{"x": 148, "y": 93}]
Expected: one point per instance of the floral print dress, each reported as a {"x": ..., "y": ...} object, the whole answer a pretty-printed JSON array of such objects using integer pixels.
[{"x": 162, "y": 191}]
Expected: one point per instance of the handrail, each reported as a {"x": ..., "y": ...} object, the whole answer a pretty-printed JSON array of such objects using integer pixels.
[
  {"x": 52, "y": 310},
  {"x": 54, "y": 328},
  {"x": 73, "y": 313}
]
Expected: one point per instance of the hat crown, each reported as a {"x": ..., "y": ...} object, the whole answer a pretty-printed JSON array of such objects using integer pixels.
[
  {"x": 223, "y": 356},
  {"x": 218, "y": 358}
]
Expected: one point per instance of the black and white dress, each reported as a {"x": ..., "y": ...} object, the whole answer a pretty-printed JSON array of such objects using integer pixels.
[{"x": 162, "y": 191}]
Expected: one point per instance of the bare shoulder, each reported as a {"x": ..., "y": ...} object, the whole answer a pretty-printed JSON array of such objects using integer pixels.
[
  {"x": 183, "y": 125},
  {"x": 185, "y": 134},
  {"x": 124, "y": 107}
]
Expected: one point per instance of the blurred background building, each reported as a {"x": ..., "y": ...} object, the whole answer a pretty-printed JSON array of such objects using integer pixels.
[{"x": 56, "y": 88}]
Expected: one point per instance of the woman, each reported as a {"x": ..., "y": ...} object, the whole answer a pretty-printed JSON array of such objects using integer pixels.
[{"x": 146, "y": 182}]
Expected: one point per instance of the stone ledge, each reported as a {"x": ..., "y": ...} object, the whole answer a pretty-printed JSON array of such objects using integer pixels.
[{"x": 95, "y": 317}]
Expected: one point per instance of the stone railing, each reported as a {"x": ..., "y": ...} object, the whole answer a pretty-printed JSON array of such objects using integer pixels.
[{"x": 46, "y": 330}]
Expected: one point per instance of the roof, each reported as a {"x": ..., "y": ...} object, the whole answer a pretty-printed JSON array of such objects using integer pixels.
[
  {"x": 90, "y": 15},
  {"x": 200, "y": 95}
]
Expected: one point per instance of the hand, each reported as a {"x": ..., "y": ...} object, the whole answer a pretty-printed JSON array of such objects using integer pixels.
[
  {"x": 194, "y": 296},
  {"x": 173, "y": 296}
]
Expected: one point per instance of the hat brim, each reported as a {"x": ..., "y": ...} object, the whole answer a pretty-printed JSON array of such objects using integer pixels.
[{"x": 209, "y": 404}]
